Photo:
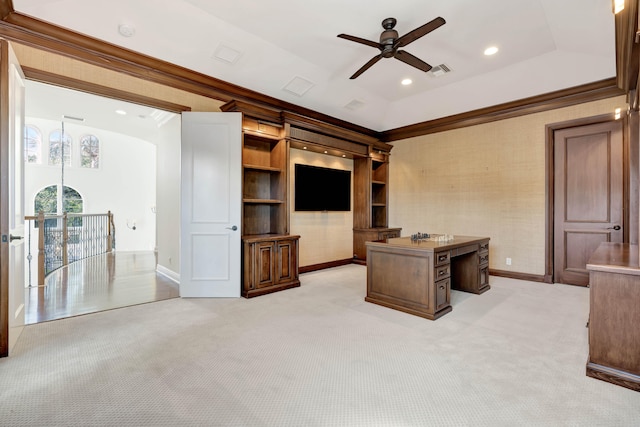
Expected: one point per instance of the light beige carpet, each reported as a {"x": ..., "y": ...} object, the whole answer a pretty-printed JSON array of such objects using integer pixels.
[{"x": 317, "y": 355}]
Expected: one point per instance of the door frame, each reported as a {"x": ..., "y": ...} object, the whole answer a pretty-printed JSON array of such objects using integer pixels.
[{"x": 630, "y": 161}]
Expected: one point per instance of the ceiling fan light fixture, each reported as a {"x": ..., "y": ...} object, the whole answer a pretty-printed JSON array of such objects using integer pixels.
[{"x": 406, "y": 82}]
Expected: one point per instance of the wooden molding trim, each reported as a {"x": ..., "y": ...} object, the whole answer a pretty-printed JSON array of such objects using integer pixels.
[
  {"x": 627, "y": 50},
  {"x": 550, "y": 101},
  {"x": 5, "y": 119},
  {"x": 322, "y": 266},
  {"x": 254, "y": 111},
  {"x": 519, "y": 276},
  {"x": 107, "y": 92},
  {"x": 6, "y": 8},
  {"x": 320, "y": 127}
]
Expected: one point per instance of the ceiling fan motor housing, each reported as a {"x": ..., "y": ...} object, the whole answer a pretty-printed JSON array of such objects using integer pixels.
[{"x": 388, "y": 37}]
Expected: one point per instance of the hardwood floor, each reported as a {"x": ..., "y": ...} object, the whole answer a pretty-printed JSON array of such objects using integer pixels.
[{"x": 99, "y": 283}]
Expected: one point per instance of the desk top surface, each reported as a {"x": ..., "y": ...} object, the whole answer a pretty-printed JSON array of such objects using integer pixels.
[
  {"x": 615, "y": 258},
  {"x": 428, "y": 245}
]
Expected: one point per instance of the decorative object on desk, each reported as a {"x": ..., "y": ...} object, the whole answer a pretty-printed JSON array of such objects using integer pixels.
[{"x": 420, "y": 236}]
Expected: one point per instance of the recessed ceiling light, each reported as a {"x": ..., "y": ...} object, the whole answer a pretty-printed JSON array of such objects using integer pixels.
[
  {"x": 406, "y": 82},
  {"x": 491, "y": 51},
  {"x": 126, "y": 30},
  {"x": 121, "y": 112}
]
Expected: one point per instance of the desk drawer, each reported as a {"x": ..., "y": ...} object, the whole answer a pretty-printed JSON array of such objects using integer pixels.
[
  {"x": 443, "y": 272},
  {"x": 483, "y": 258},
  {"x": 443, "y": 292},
  {"x": 484, "y": 247},
  {"x": 442, "y": 258}
]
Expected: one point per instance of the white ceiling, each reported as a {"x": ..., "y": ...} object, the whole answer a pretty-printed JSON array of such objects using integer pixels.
[{"x": 545, "y": 45}]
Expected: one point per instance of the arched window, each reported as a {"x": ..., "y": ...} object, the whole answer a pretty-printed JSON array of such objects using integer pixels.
[
  {"x": 32, "y": 144},
  {"x": 89, "y": 151},
  {"x": 59, "y": 142},
  {"x": 46, "y": 200},
  {"x": 49, "y": 199}
]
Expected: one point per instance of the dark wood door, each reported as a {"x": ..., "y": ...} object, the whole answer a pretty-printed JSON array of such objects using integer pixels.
[{"x": 588, "y": 196}]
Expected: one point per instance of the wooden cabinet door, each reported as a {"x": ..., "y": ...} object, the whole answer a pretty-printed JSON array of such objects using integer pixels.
[
  {"x": 264, "y": 264},
  {"x": 286, "y": 262}
]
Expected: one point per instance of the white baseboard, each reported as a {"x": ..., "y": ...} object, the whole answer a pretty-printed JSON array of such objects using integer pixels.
[{"x": 168, "y": 273}]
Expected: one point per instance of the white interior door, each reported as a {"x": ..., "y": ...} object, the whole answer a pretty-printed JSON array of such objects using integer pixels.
[
  {"x": 12, "y": 200},
  {"x": 211, "y": 203}
]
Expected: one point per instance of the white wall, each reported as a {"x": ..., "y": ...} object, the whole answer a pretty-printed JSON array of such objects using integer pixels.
[
  {"x": 324, "y": 236},
  {"x": 168, "y": 199},
  {"x": 125, "y": 182}
]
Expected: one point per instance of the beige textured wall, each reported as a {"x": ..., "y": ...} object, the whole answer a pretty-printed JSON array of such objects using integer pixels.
[
  {"x": 324, "y": 236},
  {"x": 485, "y": 180}
]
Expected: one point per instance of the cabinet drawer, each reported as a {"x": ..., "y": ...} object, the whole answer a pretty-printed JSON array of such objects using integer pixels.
[
  {"x": 443, "y": 272},
  {"x": 443, "y": 291},
  {"x": 484, "y": 247},
  {"x": 483, "y": 259},
  {"x": 442, "y": 257},
  {"x": 483, "y": 277}
]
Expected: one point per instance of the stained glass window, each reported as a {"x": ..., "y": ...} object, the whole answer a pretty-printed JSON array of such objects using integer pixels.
[{"x": 89, "y": 151}]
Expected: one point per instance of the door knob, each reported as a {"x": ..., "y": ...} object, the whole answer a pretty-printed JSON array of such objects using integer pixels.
[
  {"x": 234, "y": 228},
  {"x": 615, "y": 227},
  {"x": 12, "y": 237}
]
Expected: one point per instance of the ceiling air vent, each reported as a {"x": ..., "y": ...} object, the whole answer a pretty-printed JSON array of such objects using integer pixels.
[
  {"x": 440, "y": 70},
  {"x": 354, "y": 104},
  {"x": 226, "y": 54},
  {"x": 298, "y": 86}
]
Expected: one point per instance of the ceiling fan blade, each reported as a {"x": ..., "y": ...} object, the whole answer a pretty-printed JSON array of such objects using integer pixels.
[
  {"x": 414, "y": 35},
  {"x": 407, "y": 58},
  {"x": 359, "y": 40},
  {"x": 366, "y": 66}
]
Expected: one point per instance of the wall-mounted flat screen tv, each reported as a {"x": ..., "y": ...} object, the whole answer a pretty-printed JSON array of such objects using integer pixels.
[{"x": 322, "y": 189}]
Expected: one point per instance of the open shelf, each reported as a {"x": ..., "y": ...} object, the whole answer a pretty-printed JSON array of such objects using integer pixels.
[
  {"x": 261, "y": 168},
  {"x": 263, "y": 201}
]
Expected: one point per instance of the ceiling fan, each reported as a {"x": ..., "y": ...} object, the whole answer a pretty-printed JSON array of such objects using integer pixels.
[{"x": 390, "y": 44}]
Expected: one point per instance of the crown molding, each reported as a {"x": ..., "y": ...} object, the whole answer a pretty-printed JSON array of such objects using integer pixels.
[{"x": 549, "y": 101}]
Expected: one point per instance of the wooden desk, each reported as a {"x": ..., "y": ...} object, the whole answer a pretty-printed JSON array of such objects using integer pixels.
[
  {"x": 417, "y": 276},
  {"x": 614, "y": 316}
]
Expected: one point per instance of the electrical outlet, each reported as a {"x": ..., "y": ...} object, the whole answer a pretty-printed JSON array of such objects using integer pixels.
[{"x": 508, "y": 261}]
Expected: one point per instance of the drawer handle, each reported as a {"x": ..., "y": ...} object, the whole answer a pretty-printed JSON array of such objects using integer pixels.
[
  {"x": 442, "y": 272},
  {"x": 442, "y": 257},
  {"x": 442, "y": 287}
]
